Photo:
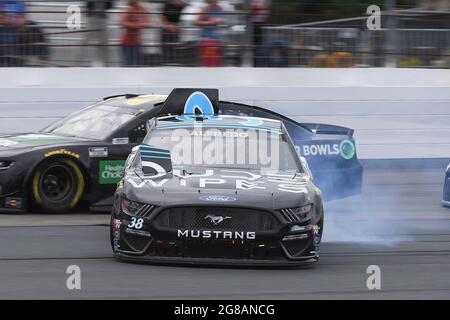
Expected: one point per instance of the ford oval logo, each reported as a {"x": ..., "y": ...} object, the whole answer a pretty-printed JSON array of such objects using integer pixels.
[{"x": 218, "y": 198}]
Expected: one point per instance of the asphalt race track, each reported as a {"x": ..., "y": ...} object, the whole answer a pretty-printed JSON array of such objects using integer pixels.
[{"x": 397, "y": 224}]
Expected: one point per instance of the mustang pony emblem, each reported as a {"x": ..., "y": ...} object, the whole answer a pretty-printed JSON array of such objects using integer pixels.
[{"x": 215, "y": 220}]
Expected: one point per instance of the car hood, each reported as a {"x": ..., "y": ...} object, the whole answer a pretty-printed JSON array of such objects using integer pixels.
[
  {"x": 15, "y": 143},
  {"x": 220, "y": 188}
]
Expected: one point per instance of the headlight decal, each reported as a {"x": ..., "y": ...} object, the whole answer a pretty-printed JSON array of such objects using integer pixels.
[
  {"x": 297, "y": 214},
  {"x": 136, "y": 209},
  {"x": 130, "y": 207}
]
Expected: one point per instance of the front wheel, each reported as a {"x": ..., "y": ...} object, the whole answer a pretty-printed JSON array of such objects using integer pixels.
[{"x": 57, "y": 185}]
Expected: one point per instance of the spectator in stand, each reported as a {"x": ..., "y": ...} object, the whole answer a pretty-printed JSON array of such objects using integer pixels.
[
  {"x": 15, "y": 11},
  {"x": 12, "y": 19},
  {"x": 7, "y": 37},
  {"x": 133, "y": 20},
  {"x": 260, "y": 14},
  {"x": 97, "y": 20},
  {"x": 210, "y": 20},
  {"x": 170, "y": 32}
]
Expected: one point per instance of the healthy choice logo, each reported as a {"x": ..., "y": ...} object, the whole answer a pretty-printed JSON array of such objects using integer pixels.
[{"x": 111, "y": 171}]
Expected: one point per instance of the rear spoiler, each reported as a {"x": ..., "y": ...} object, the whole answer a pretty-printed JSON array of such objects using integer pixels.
[{"x": 319, "y": 128}]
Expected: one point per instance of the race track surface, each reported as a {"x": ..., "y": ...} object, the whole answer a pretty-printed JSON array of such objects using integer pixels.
[{"x": 397, "y": 224}]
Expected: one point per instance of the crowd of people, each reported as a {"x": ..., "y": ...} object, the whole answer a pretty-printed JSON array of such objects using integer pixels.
[
  {"x": 133, "y": 19},
  {"x": 136, "y": 17}
]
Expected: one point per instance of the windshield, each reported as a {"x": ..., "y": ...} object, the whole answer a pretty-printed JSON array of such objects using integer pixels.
[
  {"x": 249, "y": 149},
  {"x": 96, "y": 122}
]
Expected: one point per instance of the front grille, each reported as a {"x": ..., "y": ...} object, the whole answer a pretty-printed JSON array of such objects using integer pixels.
[
  {"x": 216, "y": 218},
  {"x": 222, "y": 249}
]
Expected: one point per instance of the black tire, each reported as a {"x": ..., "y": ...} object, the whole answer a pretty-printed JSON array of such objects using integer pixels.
[{"x": 57, "y": 185}]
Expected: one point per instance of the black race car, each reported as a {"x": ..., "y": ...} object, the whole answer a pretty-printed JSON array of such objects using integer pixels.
[
  {"x": 80, "y": 159},
  {"x": 205, "y": 188}
]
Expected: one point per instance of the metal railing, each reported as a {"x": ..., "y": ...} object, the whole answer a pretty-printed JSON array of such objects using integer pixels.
[
  {"x": 352, "y": 47},
  {"x": 48, "y": 42},
  {"x": 61, "y": 47}
]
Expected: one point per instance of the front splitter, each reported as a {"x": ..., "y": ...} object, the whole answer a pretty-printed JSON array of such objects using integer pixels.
[{"x": 216, "y": 261}]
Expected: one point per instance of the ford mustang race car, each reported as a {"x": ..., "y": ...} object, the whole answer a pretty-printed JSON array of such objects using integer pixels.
[
  {"x": 80, "y": 158},
  {"x": 207, "y": 188},
  {"x": 446, "y": 195}
]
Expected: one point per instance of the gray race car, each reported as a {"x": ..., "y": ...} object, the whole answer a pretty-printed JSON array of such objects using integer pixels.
[{"x": 205, "y": 188}]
